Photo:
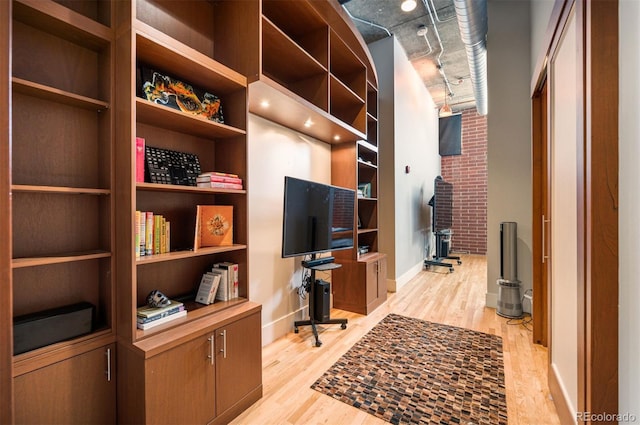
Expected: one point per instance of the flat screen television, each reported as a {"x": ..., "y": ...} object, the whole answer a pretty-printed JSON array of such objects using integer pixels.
[
  {"x": 317, "y": 218},
  {"x": 442, "y": 203}
]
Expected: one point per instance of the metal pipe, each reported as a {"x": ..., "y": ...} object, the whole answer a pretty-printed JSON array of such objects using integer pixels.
[
  {"x": 439, "y": 63},
  {"x": 366, "y": 22},
  {"x": 472, "y": 22}
]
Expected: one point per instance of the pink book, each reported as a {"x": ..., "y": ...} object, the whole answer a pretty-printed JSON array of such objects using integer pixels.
[{"x": 139, "y": 160}]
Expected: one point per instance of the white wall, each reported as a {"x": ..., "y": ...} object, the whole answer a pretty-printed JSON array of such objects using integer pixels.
[
  {"x": 540, "y": 14},
  {"x": 564, "y": 214},
  {"x": 629, "y": 211},
  {"x": 509, "y": 136},
  {"x": 408, "y": 136},
  {"x": 275, "y": 152}
]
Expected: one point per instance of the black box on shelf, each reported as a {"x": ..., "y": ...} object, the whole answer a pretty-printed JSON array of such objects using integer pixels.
[{"x": 46, "y": 327}]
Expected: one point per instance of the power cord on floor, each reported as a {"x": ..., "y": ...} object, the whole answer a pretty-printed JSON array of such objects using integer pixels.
[{"x": 524, "y": 321}]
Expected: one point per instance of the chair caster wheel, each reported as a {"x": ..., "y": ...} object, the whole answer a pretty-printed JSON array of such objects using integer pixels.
[
  {"x": 318, "y": 343},
  {"x": 451, "y": 270},
  {"x": 295, "y": 330},
  {"x": 343, "y": 326},
  {"x": 459, "y": 262}
]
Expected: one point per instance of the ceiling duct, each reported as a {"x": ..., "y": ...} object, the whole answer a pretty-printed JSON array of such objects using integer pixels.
[{"x": 472, "y": 21}]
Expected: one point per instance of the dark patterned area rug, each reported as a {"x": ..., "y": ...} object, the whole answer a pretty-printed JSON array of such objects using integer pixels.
[{"x": 411, "y": 371}]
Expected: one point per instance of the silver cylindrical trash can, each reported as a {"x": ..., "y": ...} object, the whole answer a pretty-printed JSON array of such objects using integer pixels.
[
  {"x": 509, "y": 301},
  {"x": 508, "y": 251}
]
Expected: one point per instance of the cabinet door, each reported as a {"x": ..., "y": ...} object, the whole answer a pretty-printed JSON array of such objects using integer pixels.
[
  {"x": 79, "y": 390},
  {"x": 180, "y": 384},
  {"x": 372, "y": 281},
  {"x": 382, "y": 278},
  {"x": 238, "y": 361}
]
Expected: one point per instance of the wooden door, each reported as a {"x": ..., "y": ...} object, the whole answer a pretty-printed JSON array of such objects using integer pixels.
[
  {"x": 79, "y": 390},
  {"x": 238, "y": 361},
  {"x": 180, "y": 384},
  {"x": 541, "y": 224}
]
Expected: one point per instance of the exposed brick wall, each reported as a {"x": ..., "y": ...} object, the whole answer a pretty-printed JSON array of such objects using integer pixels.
[{"x": 468, "y": 174}]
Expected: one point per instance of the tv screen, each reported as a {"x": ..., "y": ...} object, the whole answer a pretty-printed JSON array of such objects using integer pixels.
[
  {"x": 450, "y": 135},
  {"x": 317, "y": 218},
  {"x": 442, "y": 203}
]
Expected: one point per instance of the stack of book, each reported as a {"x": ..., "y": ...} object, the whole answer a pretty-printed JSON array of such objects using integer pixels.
[
  {"x": 148, "y": 317},
  {"x": 229, "y": 280},
  {"x": 219, "y": 180},
  {"x": 152, "y": 234}
]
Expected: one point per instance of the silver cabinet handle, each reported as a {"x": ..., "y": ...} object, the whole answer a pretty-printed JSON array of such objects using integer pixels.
[
  {"x": 544, "y": 243},
  {"x": 108, "y": 371},
  {"x": 223, "y": 334},
  {"x": 211, "y": 355}
]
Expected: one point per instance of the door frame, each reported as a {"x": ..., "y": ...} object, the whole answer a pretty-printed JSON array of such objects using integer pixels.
[{"x": 597, "y": 215}]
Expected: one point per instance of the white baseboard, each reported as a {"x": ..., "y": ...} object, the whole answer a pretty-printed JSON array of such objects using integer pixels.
[
  {"x": 282, "y": 325},
  {"x": 491, "y": 300},
  {"x": 393, "y": 285}
]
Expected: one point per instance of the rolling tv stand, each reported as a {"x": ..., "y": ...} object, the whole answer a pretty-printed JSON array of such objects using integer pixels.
[
  {"x": 443, "y": 238},
  {"x": 313, "y": 265}
]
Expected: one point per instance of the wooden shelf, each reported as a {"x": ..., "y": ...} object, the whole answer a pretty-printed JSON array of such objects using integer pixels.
[
  {"x": 58, "y": 258},
  {"x": 365, "y": 164},
  {"x": 292, "y": 111},
  {"x": 157, "y": 49},
  {"x": 276, "y": 45},
  {"x": 180, "y": 255},
  {"x": 56, "y": 95},
  {"x": 59, "y": 189},
  {"x": 45, "y": 356},
  {"x": 186, "y": 189},
  {"x": 172, "y": 119},
  {"x": 63, "y": 22},
  {"x": 194, "y": 312}
]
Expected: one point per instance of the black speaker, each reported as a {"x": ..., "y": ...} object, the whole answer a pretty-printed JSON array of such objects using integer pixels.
[
  {"x": 50, "y": 326},
  {"x": 321, "y": 301}
]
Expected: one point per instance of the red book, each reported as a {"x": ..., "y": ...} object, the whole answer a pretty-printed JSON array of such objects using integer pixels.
[{"x": 139, "y": 160}]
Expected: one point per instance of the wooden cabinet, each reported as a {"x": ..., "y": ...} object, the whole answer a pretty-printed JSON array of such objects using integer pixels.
[
  {"x": 360, "y": 285},
  {"x": 185, "y": 41},
  {"x": 367, "y": 288},
  {"x": 238, "y": 366},
  {"x": 78, "y": 390},
  {"x": 59, "y": 202},
  {"x": 209, "y": 376}
]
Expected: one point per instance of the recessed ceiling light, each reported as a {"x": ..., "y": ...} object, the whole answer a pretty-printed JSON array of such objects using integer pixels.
[
  {"x": 408, "y": 5},
  {"x": 264, "y": 103},
  {"x": 308, "y": 123},
  {"x": 336, "y": 137}
]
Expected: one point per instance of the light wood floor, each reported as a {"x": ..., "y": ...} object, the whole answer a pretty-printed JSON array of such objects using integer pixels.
[{"x": 292, "y": 363}]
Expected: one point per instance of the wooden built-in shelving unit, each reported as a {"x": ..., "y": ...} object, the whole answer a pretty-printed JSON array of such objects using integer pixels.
[{"x": 72, "y": 116}]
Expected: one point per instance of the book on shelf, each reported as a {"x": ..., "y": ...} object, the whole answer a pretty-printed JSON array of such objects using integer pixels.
[
  {"x": 222, "y": 294},
  {"x": 208, "y": 288},
  {"x": 148, "y": 249},
  {"x": 152, "y": 234},
  {"x": 142, "y": 232},
  {"x": 142, "y": 319},
  {"x": 219, "y": 180},
  {"x": 146, "y": 311},
  {"x": 136, "y": 243},
  {"x": 162, "y": 320},
  {"x": 139, "y": 160},
  {"x": 232, "y": 277},
  {"x": 214, "y": 226},
  {"x": 220, "y": 185}
]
